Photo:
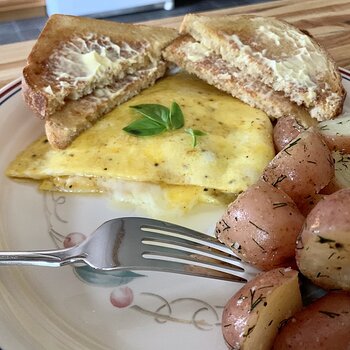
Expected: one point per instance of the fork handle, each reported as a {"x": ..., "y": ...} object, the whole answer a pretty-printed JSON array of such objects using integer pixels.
[{"x": 50, "y": 258}]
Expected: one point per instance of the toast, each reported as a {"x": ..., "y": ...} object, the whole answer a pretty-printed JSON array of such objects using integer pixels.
[
  {"x": 75, "y": 55},
  {"x": 79, "y": 115},
  {"x": 268, "y": 52},
  {"x": 210, "y": 67}
]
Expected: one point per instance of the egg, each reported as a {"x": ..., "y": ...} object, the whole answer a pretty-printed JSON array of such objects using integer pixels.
[{"x": 229, "y": 157}]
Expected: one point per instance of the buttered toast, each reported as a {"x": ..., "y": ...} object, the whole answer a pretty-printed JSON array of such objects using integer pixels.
[
  {"x": 261, "y": 54},
  {"x": 210, "y": 67},
  {"x": 74, "y": 56},
  {"x": 77, "y": 116}
]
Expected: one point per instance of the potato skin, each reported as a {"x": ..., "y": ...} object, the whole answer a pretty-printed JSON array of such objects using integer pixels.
[
  {"x": 286, "y": 129},
  {"x": 243, "y": 310},
  {"x": 341, "y": 177},
  {"x": 261, "y": 226},
  {"x": 323, "y": 325},
  {"x": 338, "y": 143},
  {"x": 302, "y": 168},
  {"x": 310, "y": 202},
  {"x": 336, "y": 133},
  {"x": 323, "y": 246}
]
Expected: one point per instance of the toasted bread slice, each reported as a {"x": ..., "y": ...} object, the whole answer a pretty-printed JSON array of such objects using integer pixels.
[
  {"x": 77, "y": 116},
  {"x": 75, "y": 55},
  {"x": 275, "y": 53},
  {"x": 195, "y": 58}
]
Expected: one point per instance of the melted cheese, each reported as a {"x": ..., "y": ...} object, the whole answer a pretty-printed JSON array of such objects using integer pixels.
[{"x": 230, "y": 157}]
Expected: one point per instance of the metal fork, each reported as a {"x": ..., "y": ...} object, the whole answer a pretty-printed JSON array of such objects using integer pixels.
[{"x": 134, "y": 243}]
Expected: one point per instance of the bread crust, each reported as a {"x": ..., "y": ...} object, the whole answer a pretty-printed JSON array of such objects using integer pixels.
[
  {"x": 77, "y": 116},
  {"x": 59, "y": 30},
  {"x": 36, "y": 101},
  {"x": 276, "y": 53}
]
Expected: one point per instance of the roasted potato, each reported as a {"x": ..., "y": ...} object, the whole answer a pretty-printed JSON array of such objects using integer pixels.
[
  {"x": 323, "y": 247},
  {"x": 323, "y": 325},
  {"x": 302, "y": 168},
  {"x": 253, "y": 315},
  {"x": 341, "y": 177},
  {"x": 261, "y": 226},
  {"x": 286, "y": 129},
  {"x": 310, "y": 202},
  {"x": 336, "y": 133}
]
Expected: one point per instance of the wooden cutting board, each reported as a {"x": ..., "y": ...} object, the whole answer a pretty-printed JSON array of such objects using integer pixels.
[{"x": 327, "y": 20}]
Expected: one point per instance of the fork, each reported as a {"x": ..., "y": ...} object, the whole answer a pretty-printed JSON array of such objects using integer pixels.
[{"x": 134, "y": 243}]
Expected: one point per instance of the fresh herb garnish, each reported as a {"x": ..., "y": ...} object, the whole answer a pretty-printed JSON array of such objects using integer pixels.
[
  {"x": 157, "y": 118},
  {"x": 279, "y": 205},
  {"x": 292, "y": 144},
  {"x": 194, "y": 133},
  {"x": 226, "y": 227},
  {"x": 329, "y": 313},
  {"x": 324, "y": 240},
  {"x": 324, "y": 127},
  {"x": 144, "y": 127},
  {"x": 283, "y": 323},
  {"x": 259, "y": 228},
  {"x": 157, "y": 113},
  {"x": 176, "y": 116},
  {"x": 331, "y": 255},
  {"x": 256, "y": 302},
  {"x": 248, "y": 331},
  {"x": 319, "y": 275},
  {"x": 260, "y": 246},
  {"x": 278, "y": 180}
]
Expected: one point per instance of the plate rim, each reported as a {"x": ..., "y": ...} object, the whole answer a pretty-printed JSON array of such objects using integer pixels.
[{"x": 6, "y": 93}]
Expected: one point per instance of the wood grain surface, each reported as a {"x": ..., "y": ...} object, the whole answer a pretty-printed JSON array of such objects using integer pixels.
[
  {"x": 16, "y": 9},
  {"x": 327, "y": 20}
]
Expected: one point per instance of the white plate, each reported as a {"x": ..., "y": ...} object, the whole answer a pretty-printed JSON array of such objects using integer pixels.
[{"x": 45, "y": 308}]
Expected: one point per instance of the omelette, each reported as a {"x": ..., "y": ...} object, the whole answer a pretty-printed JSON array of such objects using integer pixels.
[{"x": 230, "y": 155}]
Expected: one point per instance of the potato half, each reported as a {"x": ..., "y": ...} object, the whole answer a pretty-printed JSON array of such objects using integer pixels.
[
  {"x": 302, "y": 168},
  {"x": 336, "y": 133},
  {"x": 323, "y": 247},
  {"x": 261, "y": 226},
  {"x": 254, "y": 314},
  {"x": 286, "y": 129},
  {"x": 341, "y": 177},
  {"x": 323, "y": 325}
]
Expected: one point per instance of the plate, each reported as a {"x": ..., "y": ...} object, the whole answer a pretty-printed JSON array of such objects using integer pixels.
[{"x": 76, "y": 308}]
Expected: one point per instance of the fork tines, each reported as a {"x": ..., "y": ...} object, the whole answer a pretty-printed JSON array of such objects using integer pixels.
[{"x": 190, "y": 252}]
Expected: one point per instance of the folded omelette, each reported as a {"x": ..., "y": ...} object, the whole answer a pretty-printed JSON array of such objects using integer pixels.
[{"x": 232, "y": 154}]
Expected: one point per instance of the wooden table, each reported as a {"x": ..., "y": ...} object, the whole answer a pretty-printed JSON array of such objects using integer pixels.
[{"x": 327, "y": 20}]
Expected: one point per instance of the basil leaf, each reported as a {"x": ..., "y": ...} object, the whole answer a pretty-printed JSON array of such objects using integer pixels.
[
  {"x": 156, "y": 119},
  {"x": 194, "y": 133},
  {"x": 144, "y": 127},
  {"x": 176, "y": 117},
  {"x": 155, "y": 112}
]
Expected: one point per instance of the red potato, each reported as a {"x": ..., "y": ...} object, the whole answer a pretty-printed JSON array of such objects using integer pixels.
[
  {"x": 310, "y": 203},
  {"x": 323, "y": 325},
  {"x": 302, "y": 168},
  {"x": 261, "y": 226},
  {"x": 341, "y": 177},
  {"x": 286, "y": 129},
  {"x": 336, "y": 133},
  {"x": 323, "y": 247},
  {"x": 251, "y": 318}
]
